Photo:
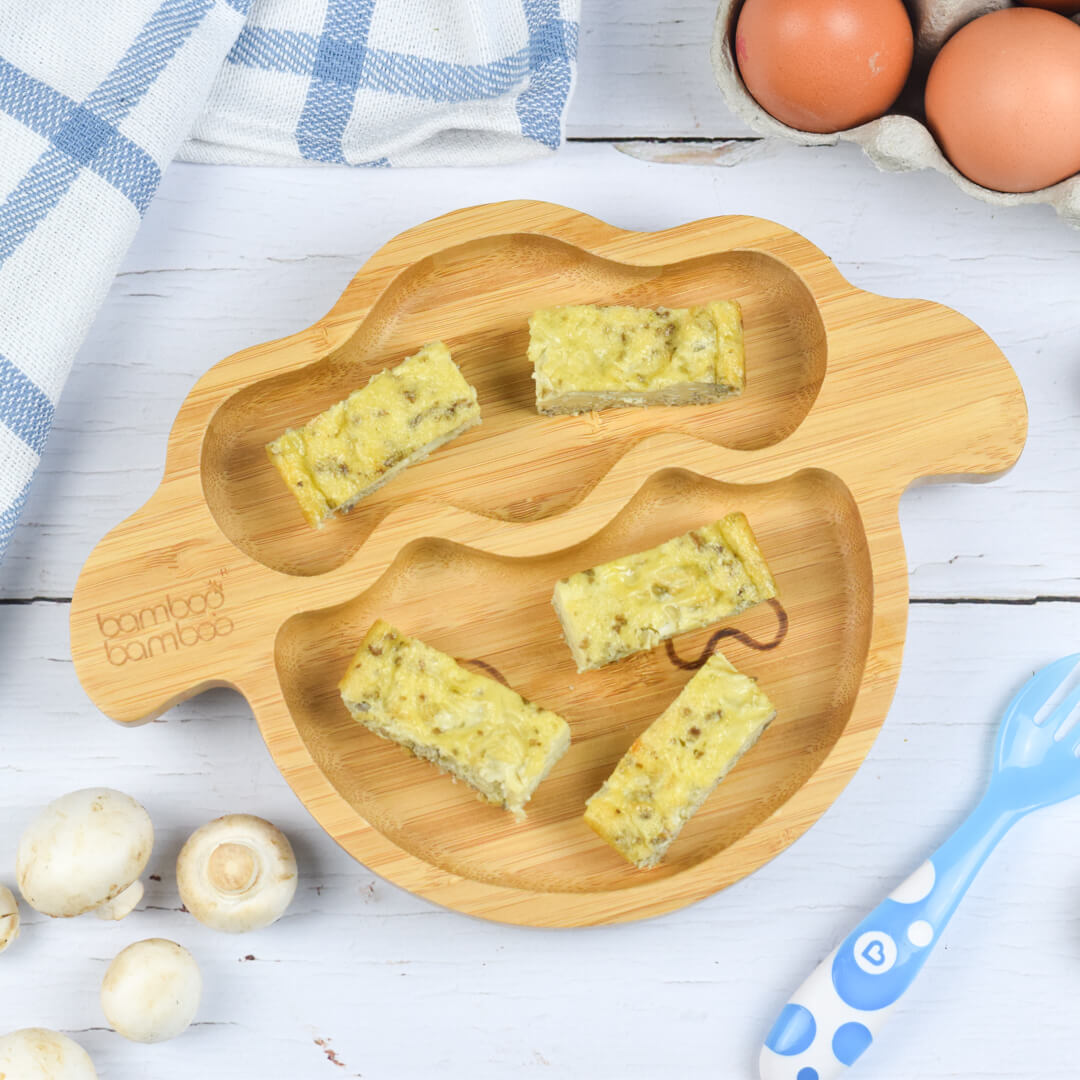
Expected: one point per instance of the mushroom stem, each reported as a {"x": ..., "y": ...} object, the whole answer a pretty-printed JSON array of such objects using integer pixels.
[
  {"x": 232, "y": 867},
  {"x": 9, "y": 917},
  {"x": 121, "y": 905}
]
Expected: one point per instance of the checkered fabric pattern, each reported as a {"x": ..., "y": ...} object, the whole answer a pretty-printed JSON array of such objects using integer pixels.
[
  {"x": 95, "y": 100},
  {"x": 392, "y": 82}
]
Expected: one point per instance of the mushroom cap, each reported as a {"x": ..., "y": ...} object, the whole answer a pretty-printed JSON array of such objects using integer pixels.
[
  {"x": 83, "y": 850},
  {"x": 41, "y": 1054},
  {"x": 151, "y": 991},
  {"x": 237, "y": 873},
  {"x": 9, "y": 919}
]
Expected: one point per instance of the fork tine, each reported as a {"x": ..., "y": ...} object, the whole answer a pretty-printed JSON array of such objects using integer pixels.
[
  {"x": 1063, "y": 719},
  {"x": 1050, "y": 684}
]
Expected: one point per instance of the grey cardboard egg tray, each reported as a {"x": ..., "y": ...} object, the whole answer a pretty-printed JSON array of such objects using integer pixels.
[{"x": 898, "y": 141}]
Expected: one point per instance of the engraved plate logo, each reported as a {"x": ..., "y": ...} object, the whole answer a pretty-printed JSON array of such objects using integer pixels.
[{"x": 180, "y": 619}]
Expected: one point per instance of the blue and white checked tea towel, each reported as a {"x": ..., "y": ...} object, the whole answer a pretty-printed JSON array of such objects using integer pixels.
[{"x": 96, "y": 99}]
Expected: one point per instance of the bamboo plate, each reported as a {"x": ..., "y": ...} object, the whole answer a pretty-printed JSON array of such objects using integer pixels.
[{"x": 850, "y": 397}]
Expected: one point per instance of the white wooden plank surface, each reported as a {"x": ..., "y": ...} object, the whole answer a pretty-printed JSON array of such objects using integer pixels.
[
  {"x": 363, "y": 980},
  {"x": 645, "y": 70},
  {"x": 401, "y": 989}
]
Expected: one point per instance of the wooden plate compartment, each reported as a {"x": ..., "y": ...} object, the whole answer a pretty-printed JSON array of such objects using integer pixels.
[{"x": 492, "y": 469}]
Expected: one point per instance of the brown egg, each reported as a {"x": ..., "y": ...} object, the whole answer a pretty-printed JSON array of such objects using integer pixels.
[
  {"x": 1003, "y": 99},
  {"x": 1064, "y": 7},
  {"x": 824, "y": 65}
]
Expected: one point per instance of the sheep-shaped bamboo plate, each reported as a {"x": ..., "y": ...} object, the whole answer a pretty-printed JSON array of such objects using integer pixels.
[{"x": 218, "y": 581}]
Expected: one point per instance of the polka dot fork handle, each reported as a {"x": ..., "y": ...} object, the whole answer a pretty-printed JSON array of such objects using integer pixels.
[{"x": 833, "y": 1018}]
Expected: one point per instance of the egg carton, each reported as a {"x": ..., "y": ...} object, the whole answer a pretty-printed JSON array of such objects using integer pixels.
[{"x": 898, "y": 141}]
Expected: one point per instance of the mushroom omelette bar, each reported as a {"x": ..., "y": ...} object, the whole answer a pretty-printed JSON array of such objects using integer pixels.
[
  {"x": 633, "y": 603},
  {"x": 357, "y": 445},
  {"x": 470, "y": 726},
  {"x": 676, "y": 763},
  {"x": 588, "y": 357}
]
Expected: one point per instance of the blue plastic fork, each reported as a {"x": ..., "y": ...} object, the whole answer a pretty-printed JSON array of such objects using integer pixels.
[{"x": 835, "y": 1015}]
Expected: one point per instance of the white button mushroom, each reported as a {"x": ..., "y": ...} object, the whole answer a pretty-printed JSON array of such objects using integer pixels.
[
  {"x": 237, "y": 873},
  {"x": 9, "y": 919},
  {"x": 151, "y": 991},
  {"x": 85, "y": 850},
  {"x": 40, "y": 1054}
]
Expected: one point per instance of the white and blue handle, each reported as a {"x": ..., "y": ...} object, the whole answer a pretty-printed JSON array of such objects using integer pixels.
[{"x": 836, "y": 1014}]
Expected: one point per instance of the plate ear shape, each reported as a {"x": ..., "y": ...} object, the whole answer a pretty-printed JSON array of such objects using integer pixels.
[{"x": 913, "y": 390}]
